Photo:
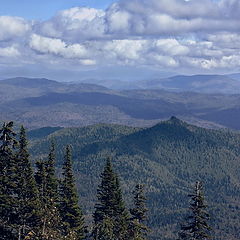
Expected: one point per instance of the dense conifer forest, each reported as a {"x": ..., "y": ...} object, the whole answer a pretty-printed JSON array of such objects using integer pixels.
[{"x": 116, "y": 182}]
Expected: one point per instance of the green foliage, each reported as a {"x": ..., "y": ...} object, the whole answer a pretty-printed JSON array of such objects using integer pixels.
[
  {"x": 71, "y": 213},
  {"x": 8, "y": 182},
  {"x": 110, "y": 208},
  {"x": 104, "y": 230},
  {"x": 28, "y": 208},
  {"x": 47, "y": 183},
  {"x": 42, "y": 132},
  {"x": 167, "y": 158},
  {"x": 137, "y": 229},
  {"x": 51, "y": 179},
  {"x": 196, "y": 227}
]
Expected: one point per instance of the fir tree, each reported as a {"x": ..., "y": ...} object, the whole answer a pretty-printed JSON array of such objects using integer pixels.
[
  {"x": 110, "y": 208},
  {"x": 105, "y": 229},
  {"x": 71, "y": 213},
  {"x": 51, "y": 179},
  {"x": 27, "y": 194},
  {"x": 47, "y": 184},
  {"x": 137, "y": 229},
  {"x": 40, "y": 177},
  {"x": 196, "y": 227},
  {"x": 8, "y": 182}
]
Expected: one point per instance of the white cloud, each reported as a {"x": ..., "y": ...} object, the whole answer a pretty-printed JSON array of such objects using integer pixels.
[
  {"x": 125, "y": 49},
  {"x": 168, "y": 17},
  {"x": 9, "y": 52},
  {"x": 57, "y": 47},
  {"x": 168, "y": 34},
  {"x": 165, "y": 61},
  {"x": 171, "y": 47},
  {"x": 87, "y": 62},
  {"x": 118, "y": 21},
  {"x": 75, "y": 23},
  {"x": 11, "y": 27}
]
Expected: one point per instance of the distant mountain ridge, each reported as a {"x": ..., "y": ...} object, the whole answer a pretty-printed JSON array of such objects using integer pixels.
[
  {"x": 41, "y": 103},
  {"x": 196, "y": 83},
  {"x": 224, "y": 84},
  {"x": 44, "y": 82},
  {"x": 29, "y": 82}
]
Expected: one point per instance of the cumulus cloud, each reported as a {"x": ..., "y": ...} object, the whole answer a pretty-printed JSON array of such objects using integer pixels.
[
  {"x": 57, "y": 47},
  {"x": 169, "y": 34},
  {"x": 125, "y": 49},
  {"x": 75, "y": 24},
  {"x": 168, "y": 17},
  {"x": 9, "y": 52},
  {"x": 144, "y": 18},
  {"x": 11, "y": 27},
  {"x": 171, "y": 47}
]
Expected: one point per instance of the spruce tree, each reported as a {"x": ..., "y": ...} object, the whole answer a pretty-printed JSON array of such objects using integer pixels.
[
  {"x": 105, "y": 229},
  {"x": 71, "y": 213},
  {"x": 137, "y": 229},
  {"x": 196, "y": 226},
  {"x": 110, "y": 211},
  {"x": 27, "y": 194},
  {"x": 47, "y": 183},
  {"x": 51, "y": 179},
  {"x": 8, "y": 182}
]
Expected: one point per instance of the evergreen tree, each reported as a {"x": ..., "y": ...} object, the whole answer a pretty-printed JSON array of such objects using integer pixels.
[
  {"x": 47, "y": 184},
  {"x": 27, "y": 194},
  {"x": 8, "y": 182},
  {"x": 40, "y": 177},
  {"x": 105, "y": 229},
  {"x": 71, "y": 213},
  {"x": 196, "y": 227},
  {"x": 51, "y": 179},
  {"x": 110, "y": 209},
  {"x": 137, "y": 228}
]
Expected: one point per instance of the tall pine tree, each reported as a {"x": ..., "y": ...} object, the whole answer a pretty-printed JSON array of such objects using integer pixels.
[
  {"x": 137, "y": 228},
  {"x": 110, "y": 216},
  {"x": 27, "y": 194},
  {"x": 8, "y": 182},
  {"x": 51, "y": 179},
  {"x": 71, "y": 213},
  {"x": 47, "y": 183},
  {"x": 196, "y": 226}
]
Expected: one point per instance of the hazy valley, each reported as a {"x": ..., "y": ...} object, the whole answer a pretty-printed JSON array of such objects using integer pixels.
[{"x": 42, "y": 102}]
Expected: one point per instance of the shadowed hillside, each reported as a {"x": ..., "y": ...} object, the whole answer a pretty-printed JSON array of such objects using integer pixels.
[{"x": 168, "y": 158}]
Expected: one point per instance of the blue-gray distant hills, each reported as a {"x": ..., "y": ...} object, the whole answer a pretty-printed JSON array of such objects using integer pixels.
[
  {"x": 226, "y": 84},
  {"x": 40, "y": 102},
  {"x": 197, "y": 83}
]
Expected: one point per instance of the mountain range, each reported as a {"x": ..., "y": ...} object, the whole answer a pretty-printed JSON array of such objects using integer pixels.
[
  {"x": 225, "y": 84},
  {"x": 168, "y": 158},
  {"x": 41, "y": 103}
]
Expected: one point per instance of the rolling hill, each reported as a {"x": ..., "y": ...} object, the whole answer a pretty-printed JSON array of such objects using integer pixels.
[
  {"x": 224, "y": 84},
  {"x": 168, "y": 158},
  {"x": 39, "y": 103}
]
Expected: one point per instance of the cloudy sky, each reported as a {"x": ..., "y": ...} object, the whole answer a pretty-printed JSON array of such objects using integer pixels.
[{"x": 60, "y": 38}]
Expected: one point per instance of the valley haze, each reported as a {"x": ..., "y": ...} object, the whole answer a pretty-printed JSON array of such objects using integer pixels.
[{"x": 205, "y": 100}]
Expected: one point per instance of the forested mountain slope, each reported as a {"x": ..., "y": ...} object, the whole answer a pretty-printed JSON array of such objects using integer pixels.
[
  {"x": 37, "y": 103},
  {"x": 168, "y": 158}
]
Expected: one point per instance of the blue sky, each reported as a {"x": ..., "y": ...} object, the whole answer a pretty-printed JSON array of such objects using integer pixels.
[
  {"x": 72, "y": 36},
  {"x": 44, "y": 9}
]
